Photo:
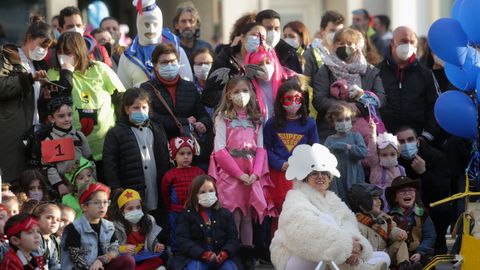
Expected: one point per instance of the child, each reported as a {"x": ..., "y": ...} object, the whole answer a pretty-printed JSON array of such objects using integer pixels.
[
  {"x": 382, "y": 158},
  {"x": 67, "y": 216},
  {"x": 291, "y": 126},
  {"x": 135, "y": 151},
  {"x": 60, "y": 115},
  {"x": 176, "y": 182},
  {"x": 33, "y": 183},
  {"x": 378, "y": 227},
  {"x": 410, "y": 215},
  {"x": 11, "y": 203},
  {"x": 80, "y": 177},
  {"x": 206, "y": 233},
  {"x": 239, "y": 162},
  {"x": 48, "y": 216},
  {"x": 349, "y": 148},
  {"x": 136, "y": 231},
  {"x": 24, "y": 238},
  {"x": 267, "y": 75},
  {"x": 80, "y": 247},
  {"x": 3, "y": 219}
]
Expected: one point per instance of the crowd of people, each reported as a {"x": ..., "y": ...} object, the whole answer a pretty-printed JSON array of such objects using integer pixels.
[{"x": 278, "y": 148}]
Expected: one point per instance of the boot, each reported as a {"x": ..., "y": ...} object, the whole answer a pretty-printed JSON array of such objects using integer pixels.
[
  {"x": 410, "y": 266},
  {"x": 247, "y": 258}
]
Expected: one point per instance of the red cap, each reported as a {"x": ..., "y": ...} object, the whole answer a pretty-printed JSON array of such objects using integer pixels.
[
  {"x": 179, "y": 142},
  {"x": 91, "y": 189}
]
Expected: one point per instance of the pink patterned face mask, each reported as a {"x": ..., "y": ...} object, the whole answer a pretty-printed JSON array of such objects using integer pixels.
[{"x": 293, "y": 107}]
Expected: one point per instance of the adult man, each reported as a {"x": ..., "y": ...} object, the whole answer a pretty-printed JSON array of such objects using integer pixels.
[
  {"x": 111, "y": 25},
  {"x": 422, "y": 161},
  {"x": 70, "y": 19},
  {"x": 135, "y": 65},
  {"x": 187, "y": 25},
  {"x": 361, "y": 19},
  {"x": 409, "y": 87},
  {"x": 286, "y": 54},
  {"x": 383, "y": 35},
  {"x": 330, "y": 23}
]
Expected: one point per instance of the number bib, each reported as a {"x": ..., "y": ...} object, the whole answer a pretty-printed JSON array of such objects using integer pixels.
[{"x": 57, "y": 150}]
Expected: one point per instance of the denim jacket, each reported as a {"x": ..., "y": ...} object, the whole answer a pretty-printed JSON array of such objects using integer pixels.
[{"x": 89, "y": 241}]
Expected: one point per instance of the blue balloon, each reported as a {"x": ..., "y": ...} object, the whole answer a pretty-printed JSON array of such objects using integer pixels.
[
  {"x": 456, "y": 113},
  {"x": 465, "y": 77},
  {"x": 456, "y": 9},
  {"x": 448, "y": 41},
  {"x": 470, "y": 20}
]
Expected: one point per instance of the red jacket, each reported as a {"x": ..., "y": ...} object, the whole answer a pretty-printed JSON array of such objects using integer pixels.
[{"x": 12, "y": 262}]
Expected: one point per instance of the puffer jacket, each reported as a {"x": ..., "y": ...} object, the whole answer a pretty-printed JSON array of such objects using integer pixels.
[
  {"x": 122, "y": 159},
  {"x": 187, "y": 104},
  {"x": 17, "y": 104}
]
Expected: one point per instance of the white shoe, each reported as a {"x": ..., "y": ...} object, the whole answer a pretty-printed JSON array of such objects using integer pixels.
[{"x": 161, "y": 268}]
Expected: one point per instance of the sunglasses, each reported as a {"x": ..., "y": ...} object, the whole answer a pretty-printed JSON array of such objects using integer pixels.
[{"x": 289, "y": 99}]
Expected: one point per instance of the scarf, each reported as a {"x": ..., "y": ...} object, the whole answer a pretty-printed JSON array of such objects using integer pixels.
[
  {"x": 351, "y": 72},
  {"x": 368, "y": 221}
]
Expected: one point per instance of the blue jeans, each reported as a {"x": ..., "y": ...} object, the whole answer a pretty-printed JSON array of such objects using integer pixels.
[
  {"x": 172, "y": 220},
  {"x": 199, "y": 265}
]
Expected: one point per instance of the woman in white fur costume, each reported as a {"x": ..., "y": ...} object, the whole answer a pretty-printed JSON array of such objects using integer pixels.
[{"x": 315, "y": 225}]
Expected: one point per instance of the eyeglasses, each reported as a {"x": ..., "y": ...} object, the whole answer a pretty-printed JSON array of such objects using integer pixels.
[
  {"x": 316, "y": 174},
  {"x": 405, "y": 191},
  {"x": 99, "y": 203},
  {"x": 289, "y": 99}
]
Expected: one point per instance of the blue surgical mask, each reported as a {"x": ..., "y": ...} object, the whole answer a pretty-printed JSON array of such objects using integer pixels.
[
  {"x": 138, "y": 117},
  {"x": 344, "y": 126},
  {"x": 169, "y": 71},
  {"x": 252, "y": 44},
  {"x": 408, "y": 150},
  {"x": 134, "y": 216}
]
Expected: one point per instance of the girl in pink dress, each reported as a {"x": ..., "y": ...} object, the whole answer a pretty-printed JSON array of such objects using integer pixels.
[{"x": 239, "y": 161}]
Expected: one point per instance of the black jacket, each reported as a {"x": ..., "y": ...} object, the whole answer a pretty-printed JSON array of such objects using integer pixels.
[
  {"x": 212, "y": 93},
  {"x": 122, "y": 161},
  {"x": 287, "y": 55},
  {"x": 435, "y": 181},
  {"x": 411, "y": 97},
  {"x": 187, "y": 104},
  {"x": 191, "y": 235}
]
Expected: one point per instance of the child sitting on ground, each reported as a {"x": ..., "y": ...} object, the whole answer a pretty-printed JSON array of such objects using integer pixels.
[
  {"x": 24, "y": 238},
  {"x": 137, "y": 232},
  {"x": 410, "y": 215},
  {"x": 378, "y": 227},
  {"x": 90, "y": 242}
]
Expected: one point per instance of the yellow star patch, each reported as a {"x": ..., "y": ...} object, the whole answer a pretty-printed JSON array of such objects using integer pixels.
[{"x": 290, "y": 140}]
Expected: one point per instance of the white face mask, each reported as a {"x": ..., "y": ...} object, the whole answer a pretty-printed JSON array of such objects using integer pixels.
[
  {"x": 405, "y": 51},
  {"x": 273, "y": 37},
  {"x": 37, "y": 54},
  {"x": 76, "y": 29},
  {"x": 330, "y": 36},
  {"x": 134, "y": 216},
  {"x": 317, "y": 43},
  {"x": 149, "y": 27},
  {"x": 267, "y": 74},
  {"x": 64, "y": 59},
  {"x": 292, "y": 42},
  {"x": 35, "y": 195},
  {"x": 241, "y": 99},
  {"x": 207, "y": 199},
  {"x": 201, "y": 71},
  {"x": 388, "y": 162}
]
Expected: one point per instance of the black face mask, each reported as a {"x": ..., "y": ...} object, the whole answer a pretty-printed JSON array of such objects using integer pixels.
[{"x": 343, "y": 53}]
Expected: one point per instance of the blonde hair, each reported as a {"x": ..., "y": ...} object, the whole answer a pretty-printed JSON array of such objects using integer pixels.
[
  {"x": 338, "y": 109},
  {"x": 226, "y": 107}
]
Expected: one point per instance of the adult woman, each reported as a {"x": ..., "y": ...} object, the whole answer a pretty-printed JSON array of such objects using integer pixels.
[
  {"x": 315, "y": 225},
  {"x": 230, "y": 61},
  {"x": 21, "y": 69},
  {"x": 94, "y": 88},
  {"x": 349, "y": 68},
  {"x": 296, "y": 34},
  {"x": 202, "y": 60},
  {"x": 181, "y": 96}
]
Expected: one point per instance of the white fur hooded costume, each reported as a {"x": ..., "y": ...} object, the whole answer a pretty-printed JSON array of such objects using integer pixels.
[
  {"x": 311, "y": 226},
  {"x": 131, "y": 74}
]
